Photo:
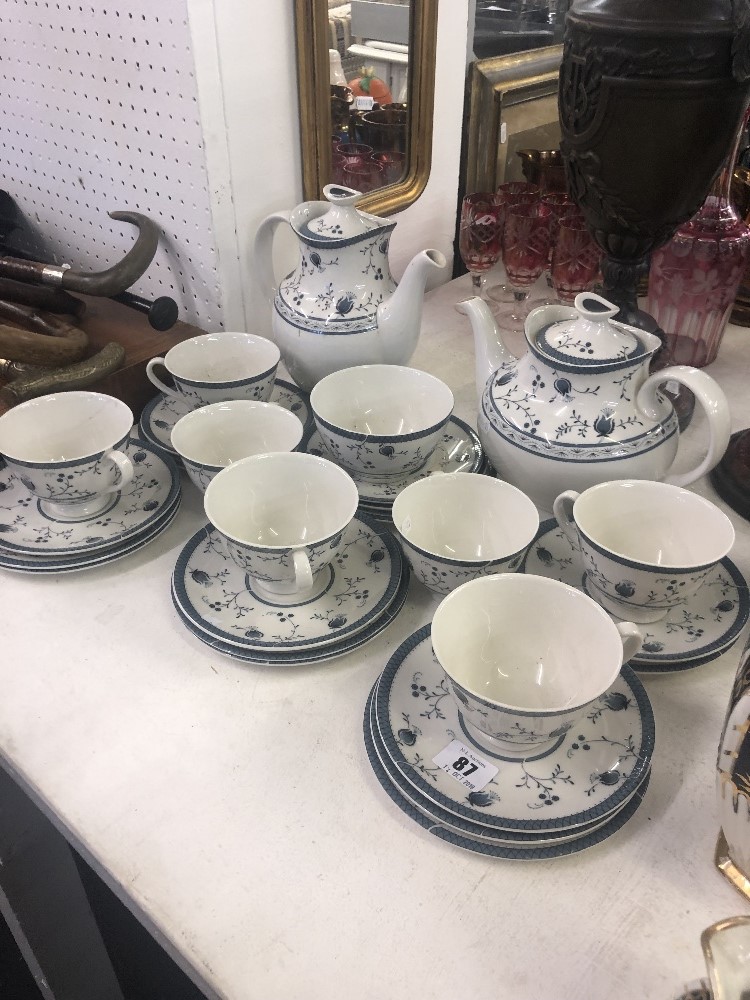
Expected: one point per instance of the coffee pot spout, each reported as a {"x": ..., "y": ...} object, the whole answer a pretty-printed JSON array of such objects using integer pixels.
[
  {"x": 399, "y": 316},
  {"x": 490, "y": 353}
]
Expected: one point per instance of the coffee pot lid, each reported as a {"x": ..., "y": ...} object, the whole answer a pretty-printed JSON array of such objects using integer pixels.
[
  {"x": 590, "y": 337},
  {"x": 342, "y": 221}
]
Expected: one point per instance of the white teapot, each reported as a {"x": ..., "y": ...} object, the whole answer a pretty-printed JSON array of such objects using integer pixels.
[
  {"x": 580, "y": 407},
  {"x": 340, "y": 306}
]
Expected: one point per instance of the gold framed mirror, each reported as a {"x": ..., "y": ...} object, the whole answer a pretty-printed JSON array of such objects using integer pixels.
[{"x": 313, "y": 40}]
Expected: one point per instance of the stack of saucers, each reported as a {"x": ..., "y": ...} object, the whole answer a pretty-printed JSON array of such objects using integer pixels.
[
  {"x": 355, "y": 597},
  {"x": 458, "y": 450},
  {"x": 33, "y": 540},
  {"x": 573, "y": 795}
]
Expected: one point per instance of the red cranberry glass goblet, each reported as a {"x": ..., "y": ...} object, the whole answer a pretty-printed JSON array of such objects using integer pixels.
[
  {"x": 364, "y": 177},
  {"x": 355, "y": 152},
  {"x": 525, "y": 255},
  {"x": 508, "y": 194},
  {"x": 393, "y": 163},
  {"x": 479, "y": 235},
  {"x": 575, "y": 259}
]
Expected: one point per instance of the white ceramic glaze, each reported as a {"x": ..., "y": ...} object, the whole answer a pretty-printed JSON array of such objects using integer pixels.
[
  {"x": 579, "y": 408},
  {"x": 340, "y": 306},
  {"x": 282, "y": 517},
  {"x": 381, "y": 420},
  {"x": 219, "y": 366},
  {"x": 67, "y": 450},
  {"x": 213, "y": 437},
  {"x": 456, "y": 528},
  {"x": 160, "y": 415},
  {"x": 647, "y": 547},
  {"x": 526, "y": 655}
]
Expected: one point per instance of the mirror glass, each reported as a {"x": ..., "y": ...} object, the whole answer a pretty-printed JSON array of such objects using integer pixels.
[
  {"x": 366, "y": 84},
  {"x": 369, "y": 76},
  {"x": 502, "y": 27}
]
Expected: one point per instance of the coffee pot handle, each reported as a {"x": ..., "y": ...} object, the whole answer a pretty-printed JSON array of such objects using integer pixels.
[
  {"x": 562, "y": 508},
  {"x": 711, "y": 398},
  {"x": 263, "y": 253}
]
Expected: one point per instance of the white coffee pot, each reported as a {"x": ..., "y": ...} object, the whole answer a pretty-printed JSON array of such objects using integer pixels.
[
  {"x": 580, "y": 408},
  {"x": 340, "y": 306}
]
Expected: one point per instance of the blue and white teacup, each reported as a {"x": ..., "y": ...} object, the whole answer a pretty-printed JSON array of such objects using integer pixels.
[
  {"x": 213, "y": 437},
  {"x": 455, "y": 527},
  {"x": 68, "y": 450},
  {"x": 525, "y": 657},
  {"x": 282, "y": 518},
  {"x": 216, "y": 367},
  {"x": 647, "y": 547},
  {"x": 381, "y": 420}
]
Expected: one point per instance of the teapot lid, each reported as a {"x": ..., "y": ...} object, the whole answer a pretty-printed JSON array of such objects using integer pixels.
[
  {"x": 590, "y": 337},
  {"x": 342, "y": 221}
]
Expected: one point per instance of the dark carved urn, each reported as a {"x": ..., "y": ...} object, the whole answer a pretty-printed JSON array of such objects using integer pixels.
[{"x": 651, "y": 95}]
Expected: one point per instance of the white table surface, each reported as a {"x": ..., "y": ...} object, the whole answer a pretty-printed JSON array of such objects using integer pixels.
[{"x": 233, "y": 809}]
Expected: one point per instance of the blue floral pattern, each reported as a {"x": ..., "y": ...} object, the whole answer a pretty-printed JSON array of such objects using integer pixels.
[
  {"x": 702, "y": 628},
  {"x": 511, "y": 410},
  {"x": 379, "y": 456},
  {"x": 442, "y": 576},
  {"x": 195, "y": 397},
  {"x": 362, "y": 579},
  {"x": 642, "y": 588},
  {"x": 314, "y": 298},
  {"x": 72, "y": 484},
  {"x": 458, "y": 450},
  {"x": 591, "y": 769},
  {"x": 26, "y": 528}
]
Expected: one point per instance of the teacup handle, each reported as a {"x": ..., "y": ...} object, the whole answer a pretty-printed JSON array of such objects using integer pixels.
[
  {"x": 632, "y": 639},
  {"x": 303, "y": 576},
  {"x": 562, "y": 508},
  {"x": 125, "y": 466},
  {"x": 167, "y": 389},
  {"x": 712, "y": 399}
]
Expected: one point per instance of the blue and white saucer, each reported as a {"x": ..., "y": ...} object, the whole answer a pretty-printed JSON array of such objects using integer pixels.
[
  {"x": 463, "y": 827},
  {"x": 50, "y": 565},
  {"x": 585, "y": 776},
  {"x": 26, "y": 530},
  {"x": 458, "y": 450},
  {"x": 707, "y": 625},
  {"x": 356, "y": 589},
  {"x": 570, "y": 843},
  {"x": 302, "y": 656},
  {"x": 161, "y": 414}
]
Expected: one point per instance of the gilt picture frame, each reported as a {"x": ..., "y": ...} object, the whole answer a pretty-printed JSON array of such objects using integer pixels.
[{"x": 512, "y": 106}]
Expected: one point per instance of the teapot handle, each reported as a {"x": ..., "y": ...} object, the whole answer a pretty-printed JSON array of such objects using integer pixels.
[
  {"x": 711, "y": 398},
  {"x": 263, "y": 253}
]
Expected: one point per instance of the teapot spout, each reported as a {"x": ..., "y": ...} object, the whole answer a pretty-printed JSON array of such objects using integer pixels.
[
  {"x": 400, "y": 315},
  {"x": 490, "y": 353}
]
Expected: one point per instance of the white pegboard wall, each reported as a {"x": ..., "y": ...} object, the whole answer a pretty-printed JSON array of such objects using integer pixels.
[{"x": 100, "y": 112}]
